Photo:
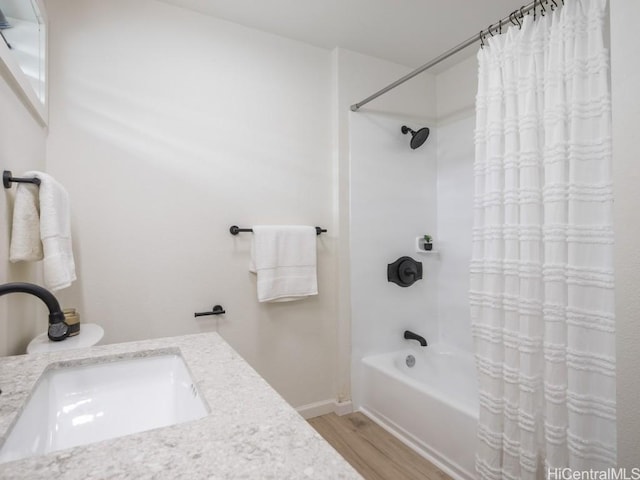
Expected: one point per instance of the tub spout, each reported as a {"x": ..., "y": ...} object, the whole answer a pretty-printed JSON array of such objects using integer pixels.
[{"x": 409, "y": 335}]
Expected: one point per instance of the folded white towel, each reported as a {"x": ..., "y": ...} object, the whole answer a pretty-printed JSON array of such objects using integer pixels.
[
  {"x": 284, "y": 259},
  {"x": 55, "y": 232},
  {"x": 25, "y": 233}
]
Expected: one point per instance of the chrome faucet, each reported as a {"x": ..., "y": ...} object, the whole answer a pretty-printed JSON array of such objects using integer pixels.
[
  {"x": 409, "y": 335},
  {"x": 58, "y": 328}
]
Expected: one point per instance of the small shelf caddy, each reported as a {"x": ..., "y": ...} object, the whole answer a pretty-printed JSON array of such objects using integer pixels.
[{"x": 420, "y": 247}]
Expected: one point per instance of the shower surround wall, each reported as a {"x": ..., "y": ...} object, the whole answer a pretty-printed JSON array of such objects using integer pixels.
[
  {"x": 455, "y": 89},
  {"x": 398, "y": 194},
  {"x": 354, "y": 77},
  {"x": 455, "y": 197},
  {"x": 393, "y": 201}
]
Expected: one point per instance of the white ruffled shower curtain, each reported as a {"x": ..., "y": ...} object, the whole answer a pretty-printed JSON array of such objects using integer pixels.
[{"x": 542, "y": 299}]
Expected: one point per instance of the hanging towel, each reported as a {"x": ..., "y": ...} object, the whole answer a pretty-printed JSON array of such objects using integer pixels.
[
  {"x": 59, "y": 269},
  {"x": 25, "y": 237},
  {"x": 284, "y": 260}
]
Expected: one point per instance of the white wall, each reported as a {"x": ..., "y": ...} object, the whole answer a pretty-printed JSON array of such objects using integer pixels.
[
  {"x": 455, "y": 214},
  {"x": 22, "y": 148},
  {"x": 259, "y": 134},
  {"x": 456, "y": 88},
  {"x": 168, "y": 126},
  {"x": 625, "y": 76}
]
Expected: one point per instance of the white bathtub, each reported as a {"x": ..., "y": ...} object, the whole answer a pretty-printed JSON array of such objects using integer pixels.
[{"x": 432, "y": 407}]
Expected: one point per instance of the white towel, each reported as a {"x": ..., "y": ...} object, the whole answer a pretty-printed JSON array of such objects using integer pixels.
[
  {"x": 25, "y": 237},
  {"x": 59, "y": 268},
  {"x": 284, "y": 259}
]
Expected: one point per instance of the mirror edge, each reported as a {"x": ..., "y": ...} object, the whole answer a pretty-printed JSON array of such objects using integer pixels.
[{"x": 17, "y": 80}]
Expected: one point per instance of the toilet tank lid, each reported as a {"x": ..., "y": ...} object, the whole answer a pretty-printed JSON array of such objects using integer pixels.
[{"x": 89, "y": 335}]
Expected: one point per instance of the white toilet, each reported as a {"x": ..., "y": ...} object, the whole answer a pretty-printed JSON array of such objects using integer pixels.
[{"x": 90, "y": 334}]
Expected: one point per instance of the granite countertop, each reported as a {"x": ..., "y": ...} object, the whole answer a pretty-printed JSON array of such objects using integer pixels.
[{"x": 250, "y": 432}]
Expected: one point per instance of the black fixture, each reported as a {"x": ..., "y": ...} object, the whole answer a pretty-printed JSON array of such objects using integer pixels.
[
  {"x": 234, "y": 230},
  {"x": 58, "y": 328},
  {"x": 404, "y": 272},
  {"x": 417, "y": 138},
  {"x": 217, "y": 310},
  {"x": 8, "y": 179},
  {"x": 409, "y": 335}
]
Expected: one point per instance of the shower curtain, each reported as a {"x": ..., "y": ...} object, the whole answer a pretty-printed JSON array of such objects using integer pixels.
[{"x": 541, "y": 295}]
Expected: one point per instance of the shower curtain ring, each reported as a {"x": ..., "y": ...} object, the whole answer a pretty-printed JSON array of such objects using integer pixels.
[
  {"x": 481, "y": 40},
  {"x": 489, "y": 30}
]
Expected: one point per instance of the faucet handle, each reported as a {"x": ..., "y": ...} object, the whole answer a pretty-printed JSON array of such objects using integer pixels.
[
  {"x": 58, "y": 331},
  {"x": 58, "y": 328}
]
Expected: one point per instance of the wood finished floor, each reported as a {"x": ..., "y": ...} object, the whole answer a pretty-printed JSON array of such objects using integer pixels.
[{"x": 372, "y": 451}]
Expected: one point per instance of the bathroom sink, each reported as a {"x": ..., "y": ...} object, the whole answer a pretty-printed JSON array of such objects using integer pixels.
[{"x": 82, "y": 404}]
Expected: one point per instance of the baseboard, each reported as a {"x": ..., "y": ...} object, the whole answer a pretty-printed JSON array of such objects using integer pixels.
[{"x": 324, "y": 407}]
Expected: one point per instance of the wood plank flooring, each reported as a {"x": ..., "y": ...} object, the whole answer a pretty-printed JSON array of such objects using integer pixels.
[{"x": 372, "y": 451}]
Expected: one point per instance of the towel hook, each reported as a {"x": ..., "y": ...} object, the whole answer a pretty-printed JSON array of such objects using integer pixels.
[{"x": 8, "y": 179}]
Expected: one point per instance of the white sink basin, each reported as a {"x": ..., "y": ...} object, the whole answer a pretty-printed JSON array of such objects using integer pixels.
[{"x": 77, "y": 405}]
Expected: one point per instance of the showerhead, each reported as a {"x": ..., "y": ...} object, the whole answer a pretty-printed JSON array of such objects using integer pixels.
[{"x": 417, "y": 138}]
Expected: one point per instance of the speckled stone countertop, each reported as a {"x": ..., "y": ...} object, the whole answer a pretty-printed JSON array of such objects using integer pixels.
[{"x": 250, "y": 432}]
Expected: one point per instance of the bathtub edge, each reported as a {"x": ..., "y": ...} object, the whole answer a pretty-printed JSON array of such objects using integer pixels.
[{"x": 452, "y": 469}]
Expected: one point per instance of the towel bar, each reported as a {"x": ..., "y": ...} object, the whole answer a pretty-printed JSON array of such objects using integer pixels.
[
  {"x": 234, "y": 230},
  {"x": 7, "y": 179},
  {"x": 216, "y": 310}
]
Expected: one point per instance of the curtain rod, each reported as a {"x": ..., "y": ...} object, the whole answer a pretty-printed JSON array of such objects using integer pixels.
[{"x": 497, "y": 27}]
